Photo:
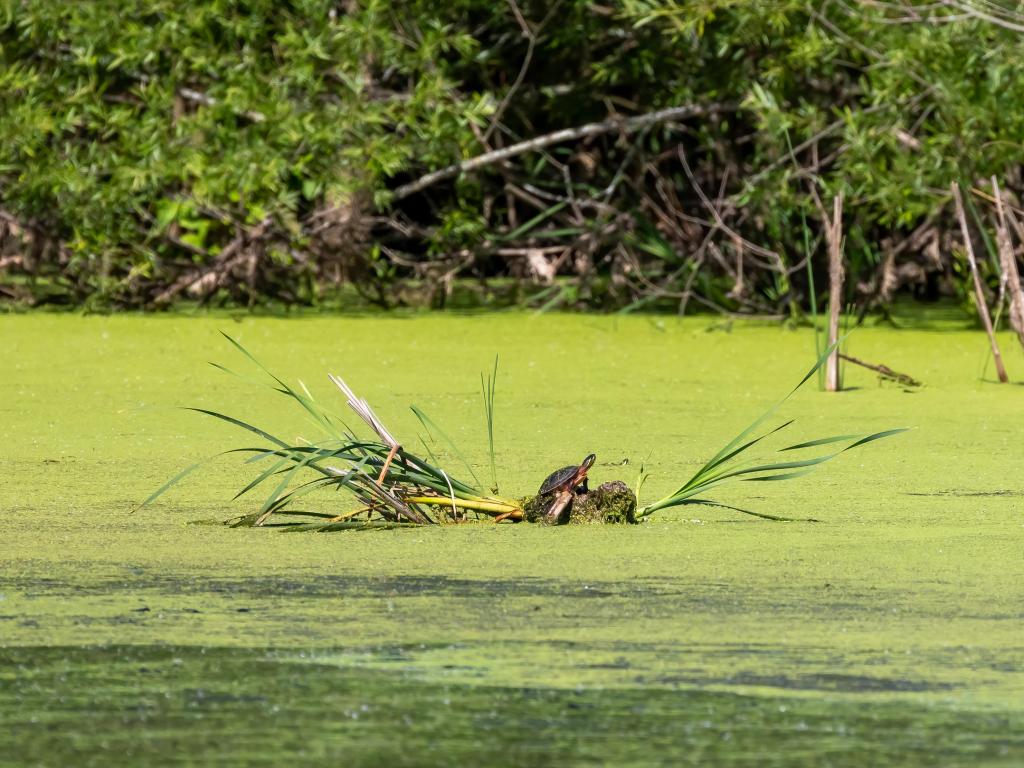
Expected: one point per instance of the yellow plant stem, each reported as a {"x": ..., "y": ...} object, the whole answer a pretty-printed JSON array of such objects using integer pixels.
[
  {"x": 481, "y": 505},
  {"x": 349, "y": 515}
]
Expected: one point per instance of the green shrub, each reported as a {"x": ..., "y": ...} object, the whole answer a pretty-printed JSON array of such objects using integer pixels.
[{"x": 151, "y": 150}]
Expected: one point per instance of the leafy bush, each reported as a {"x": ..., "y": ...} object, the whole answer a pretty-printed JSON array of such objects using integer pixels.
[{"x": 248, "y": 150}]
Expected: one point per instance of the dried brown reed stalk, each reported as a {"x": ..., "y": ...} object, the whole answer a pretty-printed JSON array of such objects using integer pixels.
[
  {"x": 1008, "y": 264},
  {"x": 979, "y": 293},
  {"x": 834, "y": 236}
]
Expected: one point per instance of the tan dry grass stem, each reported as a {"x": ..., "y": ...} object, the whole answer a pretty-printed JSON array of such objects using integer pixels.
[
  {"x": 979, "y": 293},
  {"x": 1008, "y": 264},
  {"x": 836, "y": 273}
]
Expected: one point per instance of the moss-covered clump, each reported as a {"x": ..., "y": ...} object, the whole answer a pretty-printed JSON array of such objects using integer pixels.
[
  {"x": 535, "y": 508},
  {"x": 612, "y": 502}
]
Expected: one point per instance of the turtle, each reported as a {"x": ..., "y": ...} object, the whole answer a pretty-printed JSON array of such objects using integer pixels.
[{"x": 562, "y": 483}]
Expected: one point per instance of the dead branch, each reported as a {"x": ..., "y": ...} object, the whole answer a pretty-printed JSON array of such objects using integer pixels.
[
  {"x": 968, "y": 10},
  {"x": 557, "y": 137},
  {"x": 1008, "y": 265},
  {"x": 766, "y": 252},
  {"x": 198, "y": 97},
  {"x": 834, "y": 238},
  {"x": 209, "y": 276},
  {"x": 531, "y": 42},
  {"x": 978, "y": 291}
]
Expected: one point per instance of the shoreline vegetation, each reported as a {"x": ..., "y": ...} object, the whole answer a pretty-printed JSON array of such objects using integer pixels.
[
  {"x": 395, "y": 487},
  {"x": 622, "y": 157}
]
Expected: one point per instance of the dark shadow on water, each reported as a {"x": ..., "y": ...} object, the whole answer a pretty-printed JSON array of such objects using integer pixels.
[
  {"x": 966, "y": 494},
  {"x": 140, "y": 705},
  {"x": 326, "y": 586}
]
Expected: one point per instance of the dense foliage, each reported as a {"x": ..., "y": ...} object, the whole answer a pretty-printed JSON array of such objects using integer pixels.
[{"x": 251, "y": 150}]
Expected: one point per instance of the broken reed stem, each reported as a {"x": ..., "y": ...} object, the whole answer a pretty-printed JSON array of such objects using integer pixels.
[
  {"x": 834, "y": 233},
  {"x": 387, "y": 464},
  {"x": 1008, "y": 264},
  {"x": 979, "y": 294}
]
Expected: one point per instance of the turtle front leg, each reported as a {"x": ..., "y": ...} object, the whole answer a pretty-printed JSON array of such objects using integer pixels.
[{"x": 562, "y": 500}]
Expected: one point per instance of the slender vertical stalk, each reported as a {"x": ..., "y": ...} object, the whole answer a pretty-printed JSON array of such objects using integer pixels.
[
  {"x": 812, "y": 295},
  {"x": 979, "y": 294},
  {"x": 1008, "y": 266},
  {"x": 834, "y": 230},
  {"x": 808, "y": 261},
  {"x": 487, "y": 386}
]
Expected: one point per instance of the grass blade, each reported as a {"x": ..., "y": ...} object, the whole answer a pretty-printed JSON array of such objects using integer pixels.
[
  {"x": 718, "y": 457},
  {"x": 174, "y": 481},
  {"x": 307, "y": 403},
  {"x": 488, "y": 385},
  {"x": 431, "y": 426},
  {"x": 821, "y": 441}
]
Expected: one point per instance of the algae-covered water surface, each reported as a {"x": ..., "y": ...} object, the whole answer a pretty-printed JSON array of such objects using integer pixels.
[{"x": 889, "y": 632}]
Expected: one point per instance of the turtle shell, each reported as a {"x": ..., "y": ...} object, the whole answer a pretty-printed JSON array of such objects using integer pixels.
[
  {"x": 560, "y": 477},
  {"x": 557, "y": 479}
]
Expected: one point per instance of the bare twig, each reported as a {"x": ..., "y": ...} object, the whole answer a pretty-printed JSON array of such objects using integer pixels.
[
  {"x": 557, "y": 137},
  {"x": 531, "y": 38},
  {"x": 873, "y": 53},
  {"x": 978, "y": 292},
  {"x": 766, "y": 252},
  {"x": 969, "y": 10},
  {"x": 198, "y": 97},
  {"x": 211, "y": 275}
]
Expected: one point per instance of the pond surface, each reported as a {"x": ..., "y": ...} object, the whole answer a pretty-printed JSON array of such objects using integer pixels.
[{"x": 891, "y": 632}]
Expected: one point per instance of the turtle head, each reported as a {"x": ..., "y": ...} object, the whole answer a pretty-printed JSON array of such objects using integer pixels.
[{"x": 580, "y": 478}]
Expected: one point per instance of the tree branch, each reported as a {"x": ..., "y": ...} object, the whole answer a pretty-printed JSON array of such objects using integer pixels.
[{"x": 557, "y": 137}]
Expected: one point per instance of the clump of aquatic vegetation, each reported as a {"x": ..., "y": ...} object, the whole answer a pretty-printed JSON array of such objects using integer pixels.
[{"x": 392, "y": 486}]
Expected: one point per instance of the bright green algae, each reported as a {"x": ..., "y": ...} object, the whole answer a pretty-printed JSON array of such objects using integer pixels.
[{"x": 891, "y": 630}]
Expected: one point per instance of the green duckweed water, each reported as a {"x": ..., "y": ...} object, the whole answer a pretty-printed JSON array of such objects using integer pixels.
[{"x": 888, "y": 633}]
